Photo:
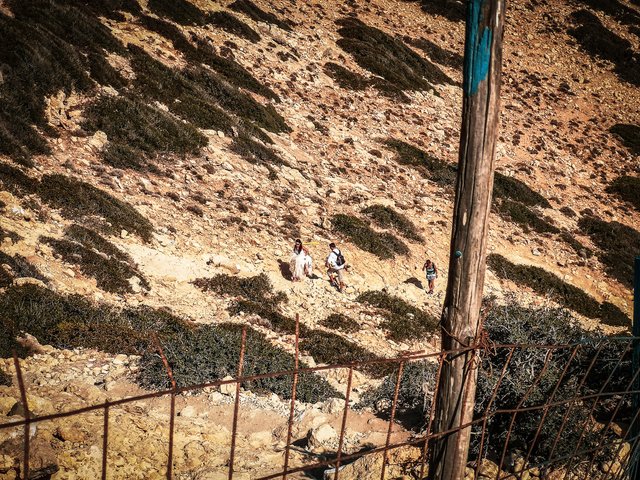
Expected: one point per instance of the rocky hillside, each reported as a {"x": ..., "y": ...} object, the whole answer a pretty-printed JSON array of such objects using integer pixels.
[{"x": 159, "y": 157}]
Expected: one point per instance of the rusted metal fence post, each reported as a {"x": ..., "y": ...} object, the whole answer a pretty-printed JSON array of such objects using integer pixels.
[
  {"x": 394, "y": 405},
  {"x": 172, "y": 409},
  {"x": 27, "y": 416},
  {"x": 467, "y": 264},
  {"x": 292, "y": 407},
  {"x": 236, "y": 404},
  {"x": 635, "y": 454}
]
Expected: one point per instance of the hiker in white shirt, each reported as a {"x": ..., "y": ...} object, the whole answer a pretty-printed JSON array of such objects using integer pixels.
[
  {"x": 336, "y": 266},
  {"x": 301, "y": 263}
]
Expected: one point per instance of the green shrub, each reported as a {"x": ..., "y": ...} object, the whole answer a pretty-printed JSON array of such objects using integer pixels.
[
  {"x": 387, "y": 217},
  {"x": 602, "y": 43},
  {"x": 338, "y": 321},
  {"x": 257, "y": 288},
  {"x": 568, "y": 211},
  {"x": 234, "y": 101},
  {"x": 512, "y": 323},
  {"x": 346, "y": 78},
  {"x": 414, "y": 396},
  {"x": 80, "y": 200},
  {"x": 627, "y": 188},
  {"x": 156, "y": 81},
  {"x": 509, "y": 324},
  {"x": 578, "y": 247},
  {"x": 383, "y": 245},
  {"x": 137, "y": 131},
  {"x": 354, "y": 81},
  {"x": 230, "y": 70},
  {"x": 332, "y": 349},
  {"x": 212, "y": 352},
  {"x": 388, "y": 57},
  {"x": 108, "y": 8},
  {"x": 525, "y": 217},
  {"x": 513, "y": 189},
  {"x": 197, "y": 94},
  {"x": 617, "y": 243},
  {"x": 90, "y": 239},
  {"x": 75, "y": 24},
  {"x": 102, "y": 71},
  {"x": 255, "y": 152},
  {"x": 629, "y": 134},
  {"x": 98, "y": 258},
  {"x": 438, "y": 171},
  {"x": 231, "y": 24},
  {"x": 180, "y": 11},
  {"x": 37, "y": 64},
  {"x": 73, "y": 321},
  {"x": 52, "y": 45},
  {"x": 546, "y": 283},
  {"x": 276, "y": 320},
  {"x": 402, "y": 320},
  {"x": 111, "y": 275},
  {"x": 13, "y": 180},
  {"x": 169, "y": 31},
  {"x": 512, "y": 200},
  {"x": 18, "y": 267},
  {"x": 5, "y": 379},
  {"x": 196, "y": 354},
  {"x": 4, "y": 233},
  {"x": 251, "y": 10},
  {"x": 253, "y": 295}
]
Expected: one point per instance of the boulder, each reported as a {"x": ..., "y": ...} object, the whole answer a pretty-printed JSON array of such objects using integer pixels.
[
  {"x": 402, "y": 462},
  {"x": 322, "y": 438},
  {"x": 42, "y": 458}
]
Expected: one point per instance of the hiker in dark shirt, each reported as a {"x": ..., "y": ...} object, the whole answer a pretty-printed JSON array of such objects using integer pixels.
[{"x": 432, "y": 273}]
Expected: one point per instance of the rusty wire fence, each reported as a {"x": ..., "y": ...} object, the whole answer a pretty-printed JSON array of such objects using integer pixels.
[{"x": 576, "y": 416}]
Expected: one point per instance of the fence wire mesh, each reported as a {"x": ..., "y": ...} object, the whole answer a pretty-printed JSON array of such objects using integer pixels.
[{"x": 542, "y": 411}]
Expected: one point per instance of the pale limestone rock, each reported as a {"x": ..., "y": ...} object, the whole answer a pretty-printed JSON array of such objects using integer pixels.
[{"x": 322, "y": 437}]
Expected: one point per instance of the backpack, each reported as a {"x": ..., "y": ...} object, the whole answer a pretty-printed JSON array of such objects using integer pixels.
[{"x": 340, "y": 259}]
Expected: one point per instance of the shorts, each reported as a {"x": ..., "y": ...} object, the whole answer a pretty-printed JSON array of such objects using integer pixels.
[
  {"x": 431, "y": 277},
  {"x": 339, "y": 273}
]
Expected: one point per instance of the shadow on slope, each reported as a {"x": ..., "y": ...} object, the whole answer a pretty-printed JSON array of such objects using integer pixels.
[
  {"x": 627, "y": 188},
  {"x": 436, "y": 53},
  {"x": 618, "y": 244},
  {"x": 231, "y": 24},
  {"x": 388, "y": 57},
  {"x": 617, "y": 10},
  {"x": 629, "y": 135},
  {"x": 254, "y": 12},
  {"x": 600, "y": 42},
  {"x": 453, "y": 10},
  {"x": 547, "y": 284}
]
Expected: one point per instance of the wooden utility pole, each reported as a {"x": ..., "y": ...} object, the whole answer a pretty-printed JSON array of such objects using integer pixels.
[{"x": 467, "y": 263}]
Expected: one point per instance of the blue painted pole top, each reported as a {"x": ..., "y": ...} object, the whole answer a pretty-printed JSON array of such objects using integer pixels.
[{"x": 477, "y": 48}]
